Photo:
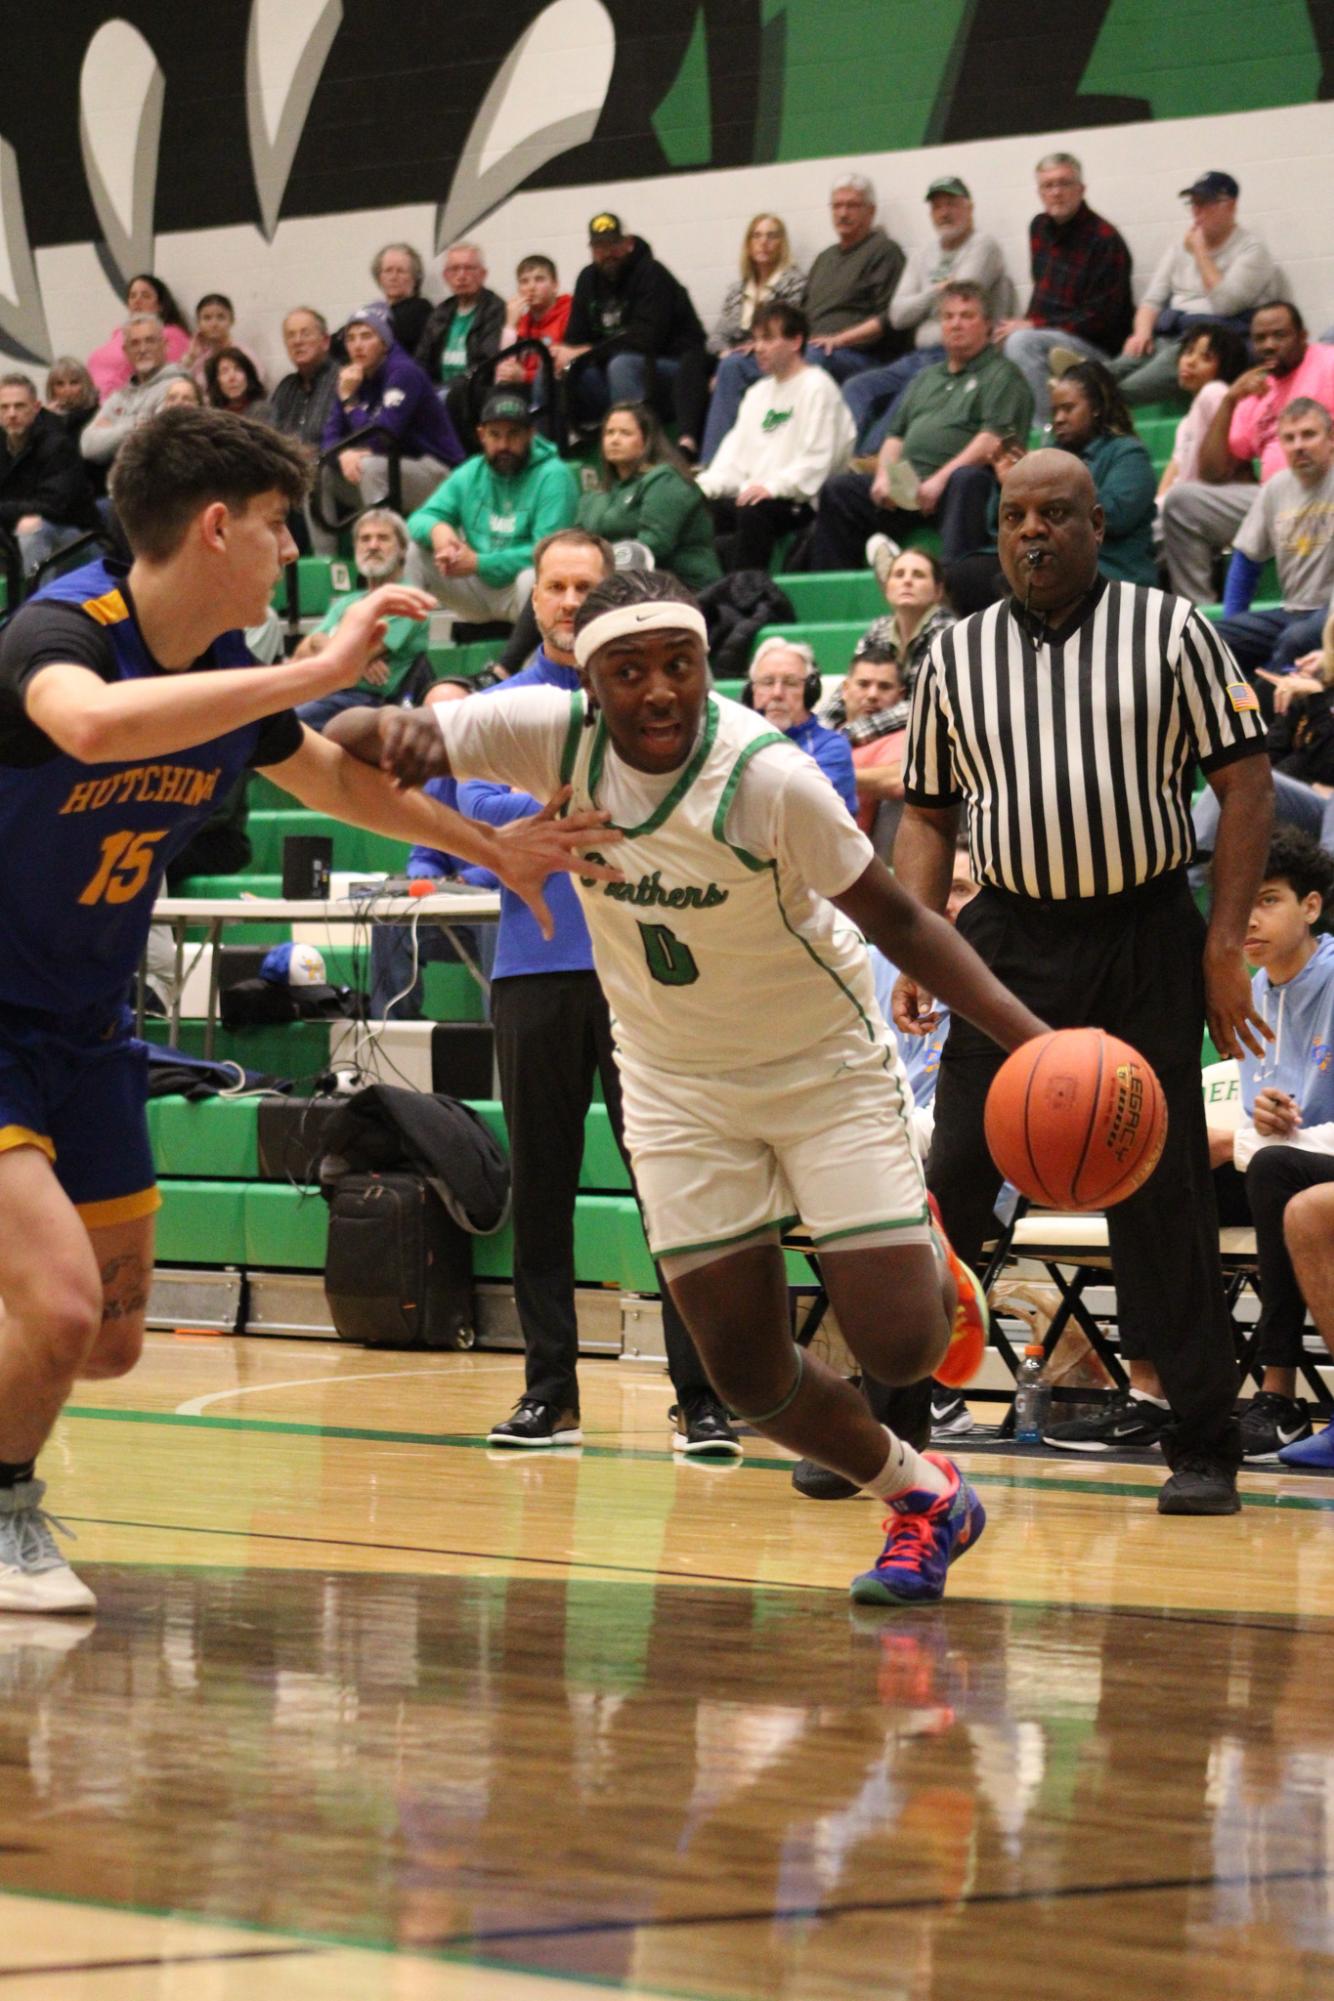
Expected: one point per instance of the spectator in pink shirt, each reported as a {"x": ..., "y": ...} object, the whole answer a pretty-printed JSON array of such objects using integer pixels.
[
  {"x": 1208, "y": 362},
  {"x": 1200, "y": 516},
  {"x": 109, "y": 365}
]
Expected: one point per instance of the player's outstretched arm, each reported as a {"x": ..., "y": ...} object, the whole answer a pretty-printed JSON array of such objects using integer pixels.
[
  {"x": 933, "y": 954},
  {"x": 102, "y": 722},
  {"x": 333, "y": 779}
]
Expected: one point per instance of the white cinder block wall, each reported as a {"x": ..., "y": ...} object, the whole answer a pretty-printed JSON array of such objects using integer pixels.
[{"x": 1283, "y": 158}]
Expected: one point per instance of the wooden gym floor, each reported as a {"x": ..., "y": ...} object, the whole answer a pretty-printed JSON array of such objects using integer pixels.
[{"x": 369, "y": 1711}]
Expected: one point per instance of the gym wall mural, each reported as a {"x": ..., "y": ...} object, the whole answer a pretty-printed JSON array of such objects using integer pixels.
[{"x": 158, "y": 117}]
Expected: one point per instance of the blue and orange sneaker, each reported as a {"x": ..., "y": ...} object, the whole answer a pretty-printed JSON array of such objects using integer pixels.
[
  {"x": 972, "y": 1316},
  {"x": 924, "y": 1534}
]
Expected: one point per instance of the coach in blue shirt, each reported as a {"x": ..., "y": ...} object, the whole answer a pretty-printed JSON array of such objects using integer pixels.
[{"x": 784, "y": 688}]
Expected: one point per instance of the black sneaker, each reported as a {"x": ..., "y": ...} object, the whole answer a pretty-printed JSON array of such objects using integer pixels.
[
  {"x": 537, "y": 1423},
  {"x": 703, "y": 1432},
  {"x": 1268, "y": 1423},
  {"x": 1123, "y": 1421},
  {"x": 821, "y": 1483},
  {"x": 1199, "y": 1485},
  {"x": 950, "y": 1415}
]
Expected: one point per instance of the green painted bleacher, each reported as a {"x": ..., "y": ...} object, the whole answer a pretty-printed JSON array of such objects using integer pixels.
[
  {"x": 353, "y": 847},
  {"x": 216, "y": 1210}
]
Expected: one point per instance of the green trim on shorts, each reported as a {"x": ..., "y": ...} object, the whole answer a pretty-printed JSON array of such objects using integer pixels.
[
  {"x": 779, "y": 1223},
  {"x": 865, "y": 1229}
]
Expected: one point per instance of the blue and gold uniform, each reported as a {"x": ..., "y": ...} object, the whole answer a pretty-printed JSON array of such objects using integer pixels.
[{"x": 83, "y": 850}]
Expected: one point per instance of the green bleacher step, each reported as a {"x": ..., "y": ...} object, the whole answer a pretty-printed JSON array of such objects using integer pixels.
[
  {"x": 833, "y": 594},
  {"x": 296, "y": 1049},
  {"x": 272, "y": 1227},
  {"x": 353, "y": 847},
  {"x": 201, "y": 1223},
  {"x": 217, "y": 1139}
]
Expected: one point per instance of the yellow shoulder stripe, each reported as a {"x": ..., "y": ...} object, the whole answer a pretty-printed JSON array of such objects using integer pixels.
[{"x": 108, "y": 610}]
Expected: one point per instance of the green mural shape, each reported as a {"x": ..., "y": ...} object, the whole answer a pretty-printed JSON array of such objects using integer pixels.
[
  {"x": 683, "y": 120},
  {"x": 1191, "y": 59},
  {"x": 901, "y": 51}
]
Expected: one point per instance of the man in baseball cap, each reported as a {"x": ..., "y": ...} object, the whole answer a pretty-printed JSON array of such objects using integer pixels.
[
  {"x": 473, "y": 540},
  {"x": 381, "y": 398},
  {"x": 958, "y": 252},
  {"x": 1217, "y": 272},
  {"x": 632, "y": 331}
]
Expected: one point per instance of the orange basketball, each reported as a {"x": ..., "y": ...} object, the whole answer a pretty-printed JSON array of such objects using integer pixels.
[{"x": 1076, "y": 1119}]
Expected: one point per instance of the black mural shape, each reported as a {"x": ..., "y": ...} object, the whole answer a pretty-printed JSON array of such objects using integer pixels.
[
  {"x": 404, "y": 79},
  {"x": 1019, "y": 68},
  {"x": 392, "y": 113},
  {"x": 1018, "y": 64}
]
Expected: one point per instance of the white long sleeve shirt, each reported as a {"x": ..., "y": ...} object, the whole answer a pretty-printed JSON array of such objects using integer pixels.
[{"x": 789, "y": 437}]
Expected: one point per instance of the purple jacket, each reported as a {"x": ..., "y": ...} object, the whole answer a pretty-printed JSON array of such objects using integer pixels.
[{"x": 400, "y": 398}]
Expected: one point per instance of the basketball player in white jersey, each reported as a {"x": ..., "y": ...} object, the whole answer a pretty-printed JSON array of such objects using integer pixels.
[{"x": 760, "y": 1080}]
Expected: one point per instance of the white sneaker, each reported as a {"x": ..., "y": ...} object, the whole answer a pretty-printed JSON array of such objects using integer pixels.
[
  {"x": 34, "y": 1576},
  {"x": 882, "y": 551}
]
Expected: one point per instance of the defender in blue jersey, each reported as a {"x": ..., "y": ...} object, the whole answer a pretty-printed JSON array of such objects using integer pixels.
[{"x": 128, "y": 707}]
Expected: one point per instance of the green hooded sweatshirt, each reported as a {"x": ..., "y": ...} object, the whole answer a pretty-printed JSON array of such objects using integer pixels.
[{"x": 502, "y": 520}]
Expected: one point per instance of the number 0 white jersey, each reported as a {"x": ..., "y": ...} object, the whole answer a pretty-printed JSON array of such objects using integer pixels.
[
  {"x": 713, "y": 957},
  {"x": 719, "y": 950}
]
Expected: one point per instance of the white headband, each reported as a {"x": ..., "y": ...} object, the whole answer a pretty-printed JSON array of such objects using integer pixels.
[{"x": 659, "y": 615}]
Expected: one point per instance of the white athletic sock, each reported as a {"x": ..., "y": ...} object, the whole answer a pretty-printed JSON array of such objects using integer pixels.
[
  {"x": 904, "y": 1469},
  {"x": 1142, "y": 1396}
]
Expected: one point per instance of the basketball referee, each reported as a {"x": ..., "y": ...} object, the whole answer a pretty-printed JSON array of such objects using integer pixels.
[{"x": 1069, "y": 721}]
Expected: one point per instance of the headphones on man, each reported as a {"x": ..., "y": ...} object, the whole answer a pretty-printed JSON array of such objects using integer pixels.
[{"x": 812, "y": 688}]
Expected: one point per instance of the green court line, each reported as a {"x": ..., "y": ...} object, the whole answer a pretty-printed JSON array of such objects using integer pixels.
[
  {"x": 471, "y": 1442},
  {"x": 446, "y": 1955}
]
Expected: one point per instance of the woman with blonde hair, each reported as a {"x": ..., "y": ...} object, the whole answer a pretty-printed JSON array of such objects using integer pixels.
[{"x": 768, "y": 273}]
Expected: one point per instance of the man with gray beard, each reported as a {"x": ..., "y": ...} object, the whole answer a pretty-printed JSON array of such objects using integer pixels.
[{"x": 379, "y": 547}]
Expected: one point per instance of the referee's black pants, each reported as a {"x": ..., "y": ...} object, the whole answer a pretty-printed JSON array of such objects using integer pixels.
[
  {"x": 553, "y": 1036},
  {"x": 1132, "y": 965}
]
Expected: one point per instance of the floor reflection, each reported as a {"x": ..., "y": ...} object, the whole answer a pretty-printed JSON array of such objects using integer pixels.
[{"x": 733, "y": 1793}]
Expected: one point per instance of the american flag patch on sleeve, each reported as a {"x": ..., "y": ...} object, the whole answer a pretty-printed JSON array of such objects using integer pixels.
[{"x": 1242, "y": 696}]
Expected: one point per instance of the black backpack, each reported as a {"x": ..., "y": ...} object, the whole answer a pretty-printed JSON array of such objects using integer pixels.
[
  {"x": 386, "y": 1130},
  {"x": 735, "y": 609}
]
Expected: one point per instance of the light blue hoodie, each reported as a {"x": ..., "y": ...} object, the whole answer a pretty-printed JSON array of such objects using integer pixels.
[{"x": 1300, "y": 1059}]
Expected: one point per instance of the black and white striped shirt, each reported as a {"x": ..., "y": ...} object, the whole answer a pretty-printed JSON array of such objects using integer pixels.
[{"x": 1076, "y": 760}]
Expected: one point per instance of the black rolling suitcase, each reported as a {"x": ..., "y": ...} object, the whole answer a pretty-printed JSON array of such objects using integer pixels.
[{"x": 399, "y": 1269}]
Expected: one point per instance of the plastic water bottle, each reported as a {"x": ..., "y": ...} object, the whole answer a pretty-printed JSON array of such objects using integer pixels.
[{"x": 1032, "y": 1398}]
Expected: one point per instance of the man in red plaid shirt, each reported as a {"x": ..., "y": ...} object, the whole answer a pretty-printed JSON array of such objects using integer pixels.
[{"x": 1081, "y": 282}]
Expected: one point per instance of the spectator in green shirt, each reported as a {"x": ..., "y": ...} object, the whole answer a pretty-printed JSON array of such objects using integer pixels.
[
  {"x": 936, "y": 460},
  {"x": 476, "y": 534},
  {"x": 380, "y": 550},
  {"x": 643, "y": 495},
  {"x": 1089, "y": 417}
]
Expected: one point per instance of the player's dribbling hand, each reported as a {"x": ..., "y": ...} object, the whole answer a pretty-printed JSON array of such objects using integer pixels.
[
  {"x": 531, "y": 849},
  {"x": 1234, "y": 1024},
  {"x": 913, "y": 1009}
]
